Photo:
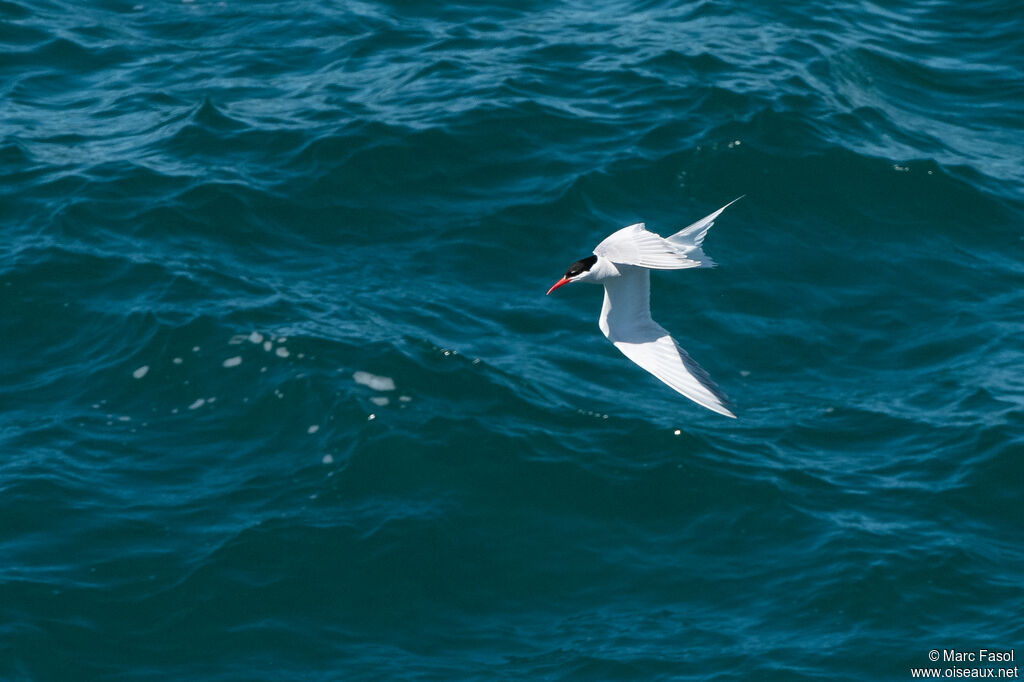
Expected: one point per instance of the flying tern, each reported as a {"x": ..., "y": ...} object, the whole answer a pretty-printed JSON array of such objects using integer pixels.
[{"x": 623, "y": 264}]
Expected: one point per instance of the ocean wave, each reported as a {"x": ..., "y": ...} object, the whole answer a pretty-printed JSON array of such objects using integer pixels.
[{"x": 282, "y": 388}]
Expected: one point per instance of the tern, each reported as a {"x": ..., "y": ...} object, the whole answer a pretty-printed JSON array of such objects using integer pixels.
[{"x": 623, "y": 264}]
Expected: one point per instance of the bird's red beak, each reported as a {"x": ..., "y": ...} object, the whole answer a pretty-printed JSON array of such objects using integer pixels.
[{"x": 560, "y": 283}]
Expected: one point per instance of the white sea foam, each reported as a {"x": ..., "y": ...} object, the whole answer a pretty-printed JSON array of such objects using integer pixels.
[
  {"x": 313, "y": 429},
  {"x": 375, "y": 382},
  {"x": 197, "y": 404},
  {"x": 141, "y": 372},
  {"x": 282, "y": 352},
  {"x": 380, "y": 400},
  {"x": 256, "y": 337},
  {"x": 233, "y": 362}
]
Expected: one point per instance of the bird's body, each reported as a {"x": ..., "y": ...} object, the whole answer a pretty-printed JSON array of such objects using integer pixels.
[{"x": 622, "y": 263}]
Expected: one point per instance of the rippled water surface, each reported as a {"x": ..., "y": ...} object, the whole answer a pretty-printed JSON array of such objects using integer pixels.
[{"x": 283, "y": 397}]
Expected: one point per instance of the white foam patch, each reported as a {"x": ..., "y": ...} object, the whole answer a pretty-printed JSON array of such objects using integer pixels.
[
  {"x": 177, "y": 361},
  {"x": 404, "y": 398},
  {"x": 371, "y": 417},
  {"x": 267, "y": 345},
  {"x": 197, "y": 404},
  {"x": 379, "y": 400},
  {"x": 141, "y": 372},
  {"x": 328, "y": 459},
  {"x": 375, "y": 382},
  {"x": 282, "y": 352},
  {"x": 237, "y": 339},
  {"x": 313, "y": 429},
  {"x": 255, "y": 337},
  {"x": 233, "y": 362}
]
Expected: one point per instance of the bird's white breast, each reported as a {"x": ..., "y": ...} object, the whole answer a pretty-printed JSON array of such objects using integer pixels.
[{"x": 602, "y": 271}]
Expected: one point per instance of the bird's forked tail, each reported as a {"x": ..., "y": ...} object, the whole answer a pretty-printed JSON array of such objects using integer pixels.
[{"x": 689, "y": 239}]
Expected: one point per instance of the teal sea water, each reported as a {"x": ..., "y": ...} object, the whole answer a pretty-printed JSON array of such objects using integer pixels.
[{"x": 282, "y": 398}]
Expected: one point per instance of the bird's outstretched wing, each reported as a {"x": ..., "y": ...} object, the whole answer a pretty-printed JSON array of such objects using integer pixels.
[
  {"x": 626, "y": 321},
  {"x": 635, "y": 245}
]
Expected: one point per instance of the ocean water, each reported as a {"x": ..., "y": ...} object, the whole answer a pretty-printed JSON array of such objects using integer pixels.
[{"x": 282, "y": 397}]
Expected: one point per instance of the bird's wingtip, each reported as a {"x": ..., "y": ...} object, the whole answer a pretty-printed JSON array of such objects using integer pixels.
[{"x": 722, "y": 409}]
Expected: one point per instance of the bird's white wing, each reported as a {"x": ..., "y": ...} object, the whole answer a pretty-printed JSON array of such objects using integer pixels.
[
  {"x": 634, "y": 245},
  {"x": 626, "y": 321}
]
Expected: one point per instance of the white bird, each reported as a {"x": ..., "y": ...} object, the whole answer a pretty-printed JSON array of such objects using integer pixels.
[{"x": 622, "y": 263}]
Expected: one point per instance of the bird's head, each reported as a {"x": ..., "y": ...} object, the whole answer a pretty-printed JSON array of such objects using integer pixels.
[{"x": 577, "y": 272}]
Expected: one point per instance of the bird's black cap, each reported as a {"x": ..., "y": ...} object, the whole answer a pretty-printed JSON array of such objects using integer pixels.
[{"x": 580, "y": 266}]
